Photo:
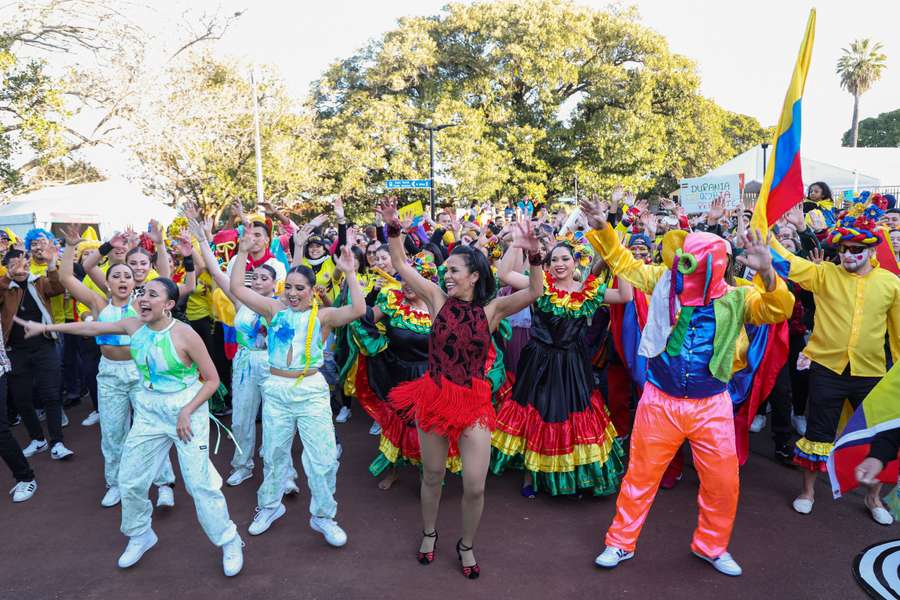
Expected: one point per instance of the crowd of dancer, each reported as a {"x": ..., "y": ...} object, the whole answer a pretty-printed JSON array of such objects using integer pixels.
[{"x": 581, "y": 348}]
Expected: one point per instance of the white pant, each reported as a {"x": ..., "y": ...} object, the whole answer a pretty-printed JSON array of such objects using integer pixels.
[
  {"x": 147, "y": 446},
  {"x": 248, "y": 372},
  {"x": 118, "y": 382},
  {"x": 306, "y": 408}
]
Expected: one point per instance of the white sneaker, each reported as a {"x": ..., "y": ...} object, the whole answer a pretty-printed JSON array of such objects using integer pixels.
[
  {"x": 611, "y": 557},
  {"x": 23, "y": 491},
  {"x": 60, "y": 452},
  {"x": 290, "y": 488},
  {"x": 264, "y": 518},
  {"x": 803, "y": 505},
  {"x": 92, "y": 419},
  {"x": 343, "y": 415},
  {"x": 111, "y": 497},
  {"x": 880, "y": 515},
  {"x": 723, "y": 564},
  {"x": 65, "y": 420},
  {"x": 233, "y": 556},
  {"x": 165, "y": 496},
  {"x": 758, "y": 424},
  {"x": 136, "y": 548},
  {"x": 375, "y": 429},
  {"x": 329, "y": 528},
  {"x": 239, "y": 476},
  {"x": 799, "y": 423},
  {"x": 34, "y": 447}
]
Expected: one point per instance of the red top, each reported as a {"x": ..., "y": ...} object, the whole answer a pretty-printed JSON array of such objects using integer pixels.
[{"x": 459, "y": 343}]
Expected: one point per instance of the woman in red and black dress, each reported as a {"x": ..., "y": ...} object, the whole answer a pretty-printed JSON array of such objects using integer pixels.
[{"x": 452, "y": 402}]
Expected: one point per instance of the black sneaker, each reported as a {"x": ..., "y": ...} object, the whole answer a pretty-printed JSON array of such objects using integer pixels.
[{"x": 784, "y": 454}]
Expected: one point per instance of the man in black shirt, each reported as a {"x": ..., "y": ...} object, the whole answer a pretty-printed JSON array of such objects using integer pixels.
[{"x": 35, "y": 361}]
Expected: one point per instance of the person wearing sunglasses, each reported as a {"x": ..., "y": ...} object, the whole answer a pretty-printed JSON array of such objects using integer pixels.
[{"x": 856, "y": 304}]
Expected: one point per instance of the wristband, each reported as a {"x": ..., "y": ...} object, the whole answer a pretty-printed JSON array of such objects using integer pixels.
[
  {"x": 105, "y": 248},
  {"x": 393, "y": 230},
  {"x": 188, "y": 262},
  {"x": 535, "y": 258}
]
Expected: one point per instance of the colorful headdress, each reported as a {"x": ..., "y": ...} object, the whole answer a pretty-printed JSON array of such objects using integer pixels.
[
  {"x": 424, "y": 263},
  {"x": 175, "y": 228},
  {"x": 857, "y": 230},
  {"x": 494, "y": 248},
  {"x": 581, "y": 250},
  {"x": 84, "y": 246},
  {"x": 698, "y": 271}
]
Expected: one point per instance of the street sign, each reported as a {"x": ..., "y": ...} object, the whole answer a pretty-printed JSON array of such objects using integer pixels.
[{"x": 406, "y": 184}]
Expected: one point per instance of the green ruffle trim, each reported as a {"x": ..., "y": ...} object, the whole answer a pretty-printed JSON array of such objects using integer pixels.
[
  {"x": 382, "y": 463},
  {"x": 396, "y": 318},
  {"x": 587, "y": 308},
  {"x": 601, "y": 479}
]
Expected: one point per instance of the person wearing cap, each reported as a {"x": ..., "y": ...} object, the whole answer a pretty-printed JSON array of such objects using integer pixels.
[
  {"x": 693, "y": 323},
  {"x": 856, "y": 304}
]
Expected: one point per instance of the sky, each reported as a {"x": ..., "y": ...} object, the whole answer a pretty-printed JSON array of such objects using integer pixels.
[{"x": 745, "y": 51}]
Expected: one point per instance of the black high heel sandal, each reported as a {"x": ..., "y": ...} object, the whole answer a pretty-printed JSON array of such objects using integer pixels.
[
  {"x": 426, "y": 558},
  {"x": 469, "y": 572}
]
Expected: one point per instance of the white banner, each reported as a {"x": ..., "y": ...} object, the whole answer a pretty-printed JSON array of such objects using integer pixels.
[{"x": 698, "y": 193}]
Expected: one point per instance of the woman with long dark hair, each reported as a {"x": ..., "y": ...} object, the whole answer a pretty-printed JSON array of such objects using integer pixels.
[{"x": 452, "y": 402}]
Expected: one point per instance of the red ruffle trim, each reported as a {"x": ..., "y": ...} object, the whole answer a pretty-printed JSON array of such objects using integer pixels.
[
  {"x": 445, "y": 409},
  {"x": 815, "y": 466},
  {"x": 550, "y": 439}
]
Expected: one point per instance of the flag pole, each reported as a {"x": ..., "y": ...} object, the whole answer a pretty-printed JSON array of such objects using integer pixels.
[{"x": 256, "y": 141}]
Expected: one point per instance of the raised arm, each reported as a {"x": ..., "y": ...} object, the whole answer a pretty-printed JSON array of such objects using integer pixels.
[
  {"x": 336, "y": 317},
  {"x": 620, "y": 261},
  {"x": 212, "y": 264},
  {"x": 769, "y": 300},
  {"x": 79, "y": 291},
  {"x": 90, "y": 264},
  {"x": 622, "y": 295},
  {"x": 524, "y": 238},
  {"x": 433, "y": 295},
  {"x": 508, "y": 269},
  {"x": 266, "y": 307},
  {"x": 186, "y": 249}
]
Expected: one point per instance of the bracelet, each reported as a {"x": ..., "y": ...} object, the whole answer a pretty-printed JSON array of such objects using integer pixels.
[
  {"x": 535, "y": 259},
  {"x": 188, "y": 262},
  {"x": 105, "y": 248},
  {"x": 393, "y": 230}
]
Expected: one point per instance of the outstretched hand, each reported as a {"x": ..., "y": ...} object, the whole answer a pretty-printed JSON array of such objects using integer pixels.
[
  {"x": 595, "y": 211},
  {"x": 756, "y": 253},
  {"x": 387, "y": 208},
  {"x": 32, "y": 328},
  {"x": 71, "y": 234},
  {"x": 525, "y": 237},
  {"x": 346, "y": 262}
]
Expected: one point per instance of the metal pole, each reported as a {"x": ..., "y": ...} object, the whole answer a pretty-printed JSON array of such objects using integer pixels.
[
  {"x": 256, "y": 141},
  {"x": 431, "y": 153}
]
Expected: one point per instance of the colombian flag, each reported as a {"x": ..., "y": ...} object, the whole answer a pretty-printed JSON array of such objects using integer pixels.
[
  {"x": 782, "y": 186},
  {"x": 880, "y": 411}
]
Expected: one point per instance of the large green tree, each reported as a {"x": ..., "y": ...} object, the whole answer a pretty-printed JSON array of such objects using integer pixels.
[
  {"x": 541, "y": 91},
  {"x": 882, "y": 131},
  {"x": 859, "y": 68},
  {"x": 195, "y": 140}
]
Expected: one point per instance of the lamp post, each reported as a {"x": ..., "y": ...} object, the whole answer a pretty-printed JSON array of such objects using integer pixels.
[{"x": 431, "y": 129}]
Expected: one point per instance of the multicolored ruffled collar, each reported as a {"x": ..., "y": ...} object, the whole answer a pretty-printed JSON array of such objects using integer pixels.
[
  {"x": 580, "y": 303},
  {"x": 394, "y": 305}
]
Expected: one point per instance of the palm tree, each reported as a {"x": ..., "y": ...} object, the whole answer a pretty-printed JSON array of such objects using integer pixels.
[{"x": 859, "y": 68}]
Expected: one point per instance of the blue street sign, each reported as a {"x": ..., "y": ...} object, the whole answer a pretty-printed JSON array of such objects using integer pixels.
[{"x": 404, "y": 184}]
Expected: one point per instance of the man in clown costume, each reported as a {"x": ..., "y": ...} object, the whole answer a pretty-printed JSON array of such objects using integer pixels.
[{"x": 694, "y": 320}]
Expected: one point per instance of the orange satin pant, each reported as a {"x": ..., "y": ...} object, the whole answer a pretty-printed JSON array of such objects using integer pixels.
[{"x": 662, "y": 423}]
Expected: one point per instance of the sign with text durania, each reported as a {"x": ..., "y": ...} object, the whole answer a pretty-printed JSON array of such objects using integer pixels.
[{"x": 698, "y": 193}]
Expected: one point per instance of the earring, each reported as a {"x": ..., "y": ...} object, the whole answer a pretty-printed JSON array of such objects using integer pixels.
[{"x": 168, "y": 314}]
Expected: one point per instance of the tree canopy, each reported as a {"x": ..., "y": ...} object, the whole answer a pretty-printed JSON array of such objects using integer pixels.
[
  {"x": 541, "y": 92},
  {"x": 882, "y": 131}
]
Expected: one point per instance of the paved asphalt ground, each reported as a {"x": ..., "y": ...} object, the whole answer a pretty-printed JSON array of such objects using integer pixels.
[{"x": 63, "y": 545}]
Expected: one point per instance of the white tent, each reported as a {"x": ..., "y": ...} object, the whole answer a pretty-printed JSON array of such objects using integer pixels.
[
  {"x": 846, "y": 172},
  {"x": 113, "y": 205}
]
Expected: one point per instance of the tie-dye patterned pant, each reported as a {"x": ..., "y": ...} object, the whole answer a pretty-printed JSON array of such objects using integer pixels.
[
  {"x": 304, "y": 407},
  {"x": 118, "y": 382},
  {"x": 147, "y": 446}
]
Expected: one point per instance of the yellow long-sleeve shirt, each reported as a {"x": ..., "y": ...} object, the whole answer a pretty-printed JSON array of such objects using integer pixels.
[
  {"x": 760, "y": 306},
  {"x": 853, "y": 313}
]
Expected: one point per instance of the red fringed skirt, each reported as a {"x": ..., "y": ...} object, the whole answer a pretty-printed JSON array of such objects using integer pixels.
[{"x": 446, "y": 409}]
